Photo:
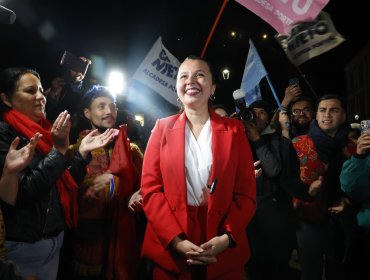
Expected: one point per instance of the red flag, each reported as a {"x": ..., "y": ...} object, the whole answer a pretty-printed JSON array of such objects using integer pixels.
[
  {"x": 123, "y": 256},
  {"x": 121, "y": 162}
]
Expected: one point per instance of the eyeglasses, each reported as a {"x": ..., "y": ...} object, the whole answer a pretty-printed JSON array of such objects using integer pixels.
[{"x": 298, "y": 112}]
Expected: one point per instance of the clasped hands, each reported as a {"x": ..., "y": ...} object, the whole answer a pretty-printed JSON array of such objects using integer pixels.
[{"x": 204, "y": 254}]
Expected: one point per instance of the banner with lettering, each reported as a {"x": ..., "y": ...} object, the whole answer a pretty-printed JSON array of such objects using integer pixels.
[
  {"x": 283, "y": 14},
  {"x": 158, "y": 71},
  {"x": 310, "y": 39}
]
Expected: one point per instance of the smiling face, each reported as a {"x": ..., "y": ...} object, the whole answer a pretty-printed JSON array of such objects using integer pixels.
[
  {"x": 330, "y": 115},
  {"x": 195, "y": 84},
  {"x": 102, "y": 113},
  {"x": 302, "y": 113},
  {"x": 28, "y": 97}
]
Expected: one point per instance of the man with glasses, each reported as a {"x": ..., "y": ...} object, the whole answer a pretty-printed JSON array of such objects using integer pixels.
[
  {"x": 302, "y": 112},
  {"x": 298, "y": 110}
]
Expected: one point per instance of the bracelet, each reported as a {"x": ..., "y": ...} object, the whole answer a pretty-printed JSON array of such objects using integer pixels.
[{"x": 232, "y": 243}]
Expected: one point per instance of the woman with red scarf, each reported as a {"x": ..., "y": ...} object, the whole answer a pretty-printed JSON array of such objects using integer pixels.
[{"x": 47, "y": 188}]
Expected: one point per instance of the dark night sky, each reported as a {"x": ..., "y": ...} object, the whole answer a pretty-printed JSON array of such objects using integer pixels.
[{"x": 124, "y": 31}]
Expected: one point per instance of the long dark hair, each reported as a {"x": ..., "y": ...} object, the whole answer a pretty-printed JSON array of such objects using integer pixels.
[{"x": 9, "y": 78}]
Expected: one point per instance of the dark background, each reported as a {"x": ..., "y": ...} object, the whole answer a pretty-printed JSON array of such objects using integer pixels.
[{"x": 122, "y": 32}]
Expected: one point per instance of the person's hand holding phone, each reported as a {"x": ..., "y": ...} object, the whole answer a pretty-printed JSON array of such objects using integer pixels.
[
  {"x": 77, "y": 65},
  {"x": 293, "y": 90},
  {"x": 363, "y": 143}
]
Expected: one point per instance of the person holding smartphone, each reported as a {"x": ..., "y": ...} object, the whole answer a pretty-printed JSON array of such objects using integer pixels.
[
  {"x": 355, "y": 182},
  {"x": 66, "y": 92},
  {"x": 299, "y": 109}
]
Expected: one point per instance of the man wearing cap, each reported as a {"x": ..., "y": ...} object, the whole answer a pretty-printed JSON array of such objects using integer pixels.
[{"x": 271, "y": 231}]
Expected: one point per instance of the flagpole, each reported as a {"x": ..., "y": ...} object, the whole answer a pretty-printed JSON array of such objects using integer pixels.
[
  {"x": 213, "y": 27},
  {"x": 273, "y": 92},
  {"x": 306, "y": 81}
]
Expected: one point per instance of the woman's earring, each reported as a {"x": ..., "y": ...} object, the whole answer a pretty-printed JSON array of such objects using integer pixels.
[
  {"x": 179, "y": 104},
  {"x": 212, "y": 97}
]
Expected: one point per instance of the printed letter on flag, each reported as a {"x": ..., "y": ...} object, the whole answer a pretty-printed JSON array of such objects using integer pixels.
[
  {"x": 283, "y": 14},
  {"x": 254, "y": 71},
  {"x": 310, "y": 39},
  {"x": 158, "y": 71}
]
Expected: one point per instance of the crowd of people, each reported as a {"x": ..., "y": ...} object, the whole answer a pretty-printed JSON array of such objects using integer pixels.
[{"x": 208, "y": 196}]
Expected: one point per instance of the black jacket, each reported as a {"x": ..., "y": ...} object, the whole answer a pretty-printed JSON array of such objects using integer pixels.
[
  {"x": 280, "y": 171},
  {"x": 37, "y": 213}
]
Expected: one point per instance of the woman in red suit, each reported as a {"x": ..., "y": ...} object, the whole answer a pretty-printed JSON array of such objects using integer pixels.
[{"x": 198, "y": 186}]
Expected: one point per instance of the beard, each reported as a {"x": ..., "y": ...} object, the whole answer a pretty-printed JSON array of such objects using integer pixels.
[
  {"x": 100, "y": 128},
  {"x": 303, "y": 126}
]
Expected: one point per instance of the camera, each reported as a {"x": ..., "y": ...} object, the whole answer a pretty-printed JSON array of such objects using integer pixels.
[
  {"x": 365, "y": 126},
  {"x": 245, "y": 114}
]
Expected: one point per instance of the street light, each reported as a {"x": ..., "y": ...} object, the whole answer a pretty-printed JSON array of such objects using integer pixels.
[{"x": 226, "y": 74}]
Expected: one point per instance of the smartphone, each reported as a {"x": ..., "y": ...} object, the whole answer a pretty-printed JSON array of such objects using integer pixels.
[
  {"x": 294, "y": 81},
  {"x": 73, "y": 62},
  {"x": 365, "y": 126}
]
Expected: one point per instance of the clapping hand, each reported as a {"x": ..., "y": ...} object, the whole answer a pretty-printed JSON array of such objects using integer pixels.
[
  {"x": 94, "y": 140},
  {"x": 60, "y": 132},
  {"x": 17, "y": 160}
]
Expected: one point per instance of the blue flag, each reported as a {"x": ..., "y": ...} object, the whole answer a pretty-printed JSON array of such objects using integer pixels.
[{"x": 254, "y": 71}]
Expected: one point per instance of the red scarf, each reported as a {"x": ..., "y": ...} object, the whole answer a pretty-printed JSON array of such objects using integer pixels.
[{"x": 67, "y": 187}]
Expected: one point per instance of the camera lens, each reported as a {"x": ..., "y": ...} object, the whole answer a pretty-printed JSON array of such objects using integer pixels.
[{"x": 246, "y": 115}]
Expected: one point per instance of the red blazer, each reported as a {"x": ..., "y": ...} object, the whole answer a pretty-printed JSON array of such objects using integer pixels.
[{"x": 163, "y": 186}]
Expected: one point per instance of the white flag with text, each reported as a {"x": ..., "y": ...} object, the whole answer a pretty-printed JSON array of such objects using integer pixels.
[{"x": 158, "y": 71}]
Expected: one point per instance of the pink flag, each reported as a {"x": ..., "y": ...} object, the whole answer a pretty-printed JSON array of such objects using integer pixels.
[{"x": 283, "y": 14}]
